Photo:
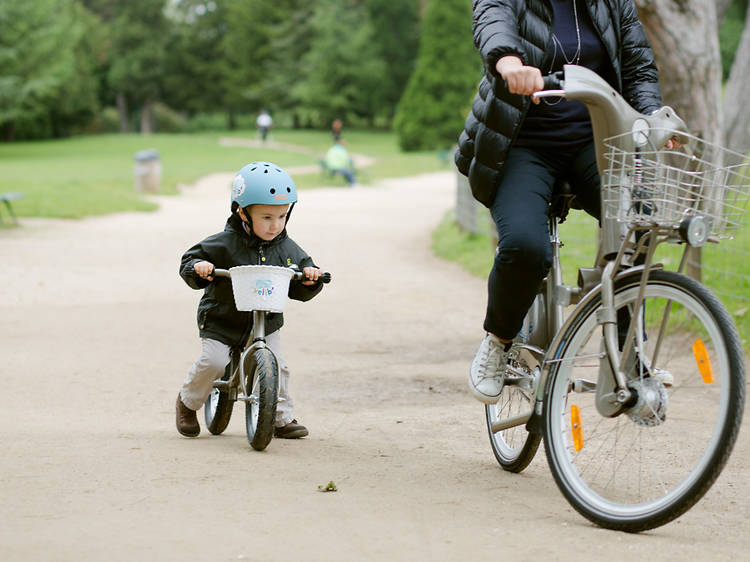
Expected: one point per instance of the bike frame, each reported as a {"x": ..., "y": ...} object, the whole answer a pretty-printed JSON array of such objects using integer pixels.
[
  {"x": 611, "y": 116},
  {"x": 237, "y": 377}
]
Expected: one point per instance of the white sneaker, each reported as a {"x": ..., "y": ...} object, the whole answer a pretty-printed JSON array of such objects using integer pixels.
[{"x": 486, "y": 376}]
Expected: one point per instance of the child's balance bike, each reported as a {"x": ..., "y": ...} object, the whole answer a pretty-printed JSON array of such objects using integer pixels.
[{"x": 252, "y": 375}]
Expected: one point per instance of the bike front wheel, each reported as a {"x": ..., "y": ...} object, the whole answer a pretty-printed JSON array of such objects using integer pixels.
[
  {"x": 648, "y": 465},
  {"x": 262, "y": 389}
]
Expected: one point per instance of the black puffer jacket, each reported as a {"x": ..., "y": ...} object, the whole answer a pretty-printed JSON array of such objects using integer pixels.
[
  {"x": 524, "y": 28},
  {"x": 218, "y": 318}
]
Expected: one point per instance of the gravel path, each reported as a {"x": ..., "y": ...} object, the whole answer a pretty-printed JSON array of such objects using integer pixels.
[{"x": 98, "y": 331}]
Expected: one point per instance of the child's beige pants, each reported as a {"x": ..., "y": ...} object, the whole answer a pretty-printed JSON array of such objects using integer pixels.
[{"x": 210, "y": 366}]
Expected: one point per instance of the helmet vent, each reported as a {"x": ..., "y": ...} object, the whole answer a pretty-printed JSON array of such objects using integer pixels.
[
  {"x": 273, "y": 190},
  {"x": 288, "y": 189},
  {"x": 265, "y": 171}
]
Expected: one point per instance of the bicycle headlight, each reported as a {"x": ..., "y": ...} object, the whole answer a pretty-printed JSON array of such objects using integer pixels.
[{"x": 694, "y": 231}]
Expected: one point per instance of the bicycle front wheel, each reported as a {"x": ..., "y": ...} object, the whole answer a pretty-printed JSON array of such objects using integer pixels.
[
  {"x": 650, "y": 464},
  {"x": 262, "y": 382}
]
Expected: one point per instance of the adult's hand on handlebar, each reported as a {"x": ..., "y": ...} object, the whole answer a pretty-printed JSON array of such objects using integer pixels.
[
  {"x": 521, "y": 79},
  {"x": 205, "y": 270}
]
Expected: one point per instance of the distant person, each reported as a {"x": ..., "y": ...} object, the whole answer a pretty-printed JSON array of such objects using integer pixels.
[
  {"x": 262, "y": 198},
  {"x": 336, "y": 129},
  {"x": 338, "y": 161},
  {"x": 264, "y": 124}
]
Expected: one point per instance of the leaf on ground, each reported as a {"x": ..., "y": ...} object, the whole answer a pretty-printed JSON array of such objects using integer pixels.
[{"x": 330, "y": 487}]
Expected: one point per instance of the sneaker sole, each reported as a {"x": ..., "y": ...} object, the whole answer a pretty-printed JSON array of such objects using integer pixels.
[{"x": 483, "y": 398}]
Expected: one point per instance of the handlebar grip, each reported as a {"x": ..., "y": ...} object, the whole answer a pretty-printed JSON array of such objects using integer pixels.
[
  {"x": 220, "y": 273},
  {"x": 324, "y": 277},
  {"x": 553, "y": 81}
]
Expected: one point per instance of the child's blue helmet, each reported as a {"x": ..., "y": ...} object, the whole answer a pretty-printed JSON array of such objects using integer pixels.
[{"x": 262, "y": 183}]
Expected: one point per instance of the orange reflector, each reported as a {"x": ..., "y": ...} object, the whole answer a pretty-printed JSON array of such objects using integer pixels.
[
  {"x": 576, "y": 428},
  {"x": 704, "y": 363}
]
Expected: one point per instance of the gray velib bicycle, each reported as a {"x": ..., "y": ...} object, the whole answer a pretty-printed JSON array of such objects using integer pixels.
[
  {"x": 252, "y": 375},
  {"x": 638, "y": 393}
]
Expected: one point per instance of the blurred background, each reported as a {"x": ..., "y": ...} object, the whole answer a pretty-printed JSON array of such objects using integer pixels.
[{"x": 93, "y": 92}]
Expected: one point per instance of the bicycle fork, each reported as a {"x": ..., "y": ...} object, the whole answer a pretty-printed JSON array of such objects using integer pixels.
[
  {"x": 612, "y": 392},
  {"x": 243, "y": 365}
]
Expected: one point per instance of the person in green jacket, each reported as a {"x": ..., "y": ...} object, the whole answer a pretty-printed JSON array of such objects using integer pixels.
[{"x": 338, "y": 161}]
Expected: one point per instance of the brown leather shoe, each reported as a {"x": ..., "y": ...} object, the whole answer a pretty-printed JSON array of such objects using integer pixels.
[
  {"x": 187, "y": 421},
  {"x": 292, "y": 430}
]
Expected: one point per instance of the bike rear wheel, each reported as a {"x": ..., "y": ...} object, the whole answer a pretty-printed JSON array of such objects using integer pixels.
[
  {"x": 515, "y": 447},
  {"x": 647, "y": 466},
  {"x": 218, "y": 407},
  {"x": 262, "y": 390}
]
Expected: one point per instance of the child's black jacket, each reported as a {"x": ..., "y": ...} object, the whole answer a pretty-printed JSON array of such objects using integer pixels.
[{"x": 218, "y": 318}]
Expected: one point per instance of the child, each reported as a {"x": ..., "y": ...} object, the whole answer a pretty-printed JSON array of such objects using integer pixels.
[{"x": 255, "y": 234}]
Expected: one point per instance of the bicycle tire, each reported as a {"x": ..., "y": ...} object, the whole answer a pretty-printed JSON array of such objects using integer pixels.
[
  {"x": 646, "y": 467},
  {"x": 515, "y": 447},
  {"x": 260, "y": 408},
  {"x": 218, "y": 408}
]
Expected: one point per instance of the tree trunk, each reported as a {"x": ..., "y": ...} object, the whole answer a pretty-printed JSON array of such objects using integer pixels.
[
  {"x": 122, "y": 111},
  {"x": 689, "y": 69},
  {"x": 147, "y": 118},
  {"x": 736, "y": 108}
]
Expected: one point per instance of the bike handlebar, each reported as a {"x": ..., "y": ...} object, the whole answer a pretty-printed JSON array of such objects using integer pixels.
[
  {"x": 298, "y": 275},
  {"x": 611, "y": 115}
]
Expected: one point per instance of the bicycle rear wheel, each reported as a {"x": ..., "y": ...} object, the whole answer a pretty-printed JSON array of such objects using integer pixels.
[
  {"x": 262, "y": 390},
  {"x": 515, "y": 447},
  {"x": 218, "y": 407},
  {"x": 650, "y": 464}
]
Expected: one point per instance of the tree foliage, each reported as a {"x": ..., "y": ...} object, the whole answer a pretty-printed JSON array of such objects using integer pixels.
[
  {"x": 63, "y": 62},
  {"x": 45, "y": 74},
  {"x": 432, "y": 110},
  {"x": 342, "y": 74},
  {"x": 192, "y": 78}
]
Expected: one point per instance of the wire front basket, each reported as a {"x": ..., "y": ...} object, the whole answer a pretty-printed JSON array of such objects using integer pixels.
[{"x": 649, "y": 187}]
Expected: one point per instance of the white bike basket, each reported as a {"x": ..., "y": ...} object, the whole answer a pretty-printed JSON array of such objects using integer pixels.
[
  {"x": 663, "y": 187},
  {"x": 260, "y": 287}
]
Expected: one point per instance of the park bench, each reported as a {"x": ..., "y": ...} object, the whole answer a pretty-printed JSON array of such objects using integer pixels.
[{"x": 6, "y": 198}]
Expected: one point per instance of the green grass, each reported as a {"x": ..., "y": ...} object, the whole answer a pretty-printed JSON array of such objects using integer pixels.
[
  {"x": 724, "y": 267},
  {"x": 93, "y": 175}
]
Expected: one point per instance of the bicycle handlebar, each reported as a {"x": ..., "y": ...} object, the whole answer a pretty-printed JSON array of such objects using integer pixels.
[
  {"x": 298, "y": 275},
  {"x": 610, "y": 114}
]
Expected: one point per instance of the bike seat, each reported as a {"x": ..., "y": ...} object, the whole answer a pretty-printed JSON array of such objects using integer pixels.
[{"x": 563, "y": 200}]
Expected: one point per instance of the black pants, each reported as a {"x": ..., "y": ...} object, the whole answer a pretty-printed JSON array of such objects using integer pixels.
[{"x": 520, "y": 213}]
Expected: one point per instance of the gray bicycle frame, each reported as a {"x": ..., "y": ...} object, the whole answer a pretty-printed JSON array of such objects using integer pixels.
[
  {"x": 237, "y": 377},
  {"x": 611, "y": 116}
]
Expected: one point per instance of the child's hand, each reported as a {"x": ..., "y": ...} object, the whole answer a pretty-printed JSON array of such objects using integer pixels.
[
  {"x": 204, "y": 270},
  {"x": 312, "y": 274}
]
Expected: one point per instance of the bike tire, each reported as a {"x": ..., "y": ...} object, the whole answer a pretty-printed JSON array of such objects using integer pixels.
[
  {"x": 646, "y": 467},
  {"x": 260, "y": 408},
  {"x": 218, "y": 408},
  {"x": 515, "y": 447}
]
